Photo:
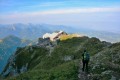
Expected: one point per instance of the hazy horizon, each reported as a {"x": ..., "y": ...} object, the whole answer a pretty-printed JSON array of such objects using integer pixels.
[{"x": 95, "y": 14}]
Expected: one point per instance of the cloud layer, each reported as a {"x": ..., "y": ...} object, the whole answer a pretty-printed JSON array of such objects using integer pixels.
[
  {"x": 60, "y": 11},
  {"x": 100, "y": 18}
]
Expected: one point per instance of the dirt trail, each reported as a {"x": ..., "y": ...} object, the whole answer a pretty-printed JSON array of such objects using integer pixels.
[{"x": 83, "y": 75}]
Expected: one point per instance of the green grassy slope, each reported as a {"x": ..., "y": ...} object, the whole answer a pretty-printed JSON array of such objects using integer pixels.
[
  {"x": 62, "y": 64},
  {"x": 106, "y": 64}
]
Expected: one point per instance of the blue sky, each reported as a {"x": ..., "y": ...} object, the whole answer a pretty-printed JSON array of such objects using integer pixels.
[
  {"x": 8, "y": 6},
  {"x": 93, "y": 14}
]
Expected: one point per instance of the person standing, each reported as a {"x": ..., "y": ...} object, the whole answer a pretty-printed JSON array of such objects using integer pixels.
[{"x": 85, "y": 60}]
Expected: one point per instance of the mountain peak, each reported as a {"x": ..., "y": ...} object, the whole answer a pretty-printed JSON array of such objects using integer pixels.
[{"x": 46, "y": 62}]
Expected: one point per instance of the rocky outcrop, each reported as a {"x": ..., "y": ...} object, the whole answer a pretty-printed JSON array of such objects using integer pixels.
[
  {"x": 104, "y": 65},
  {"x": 44, "y": 42}
]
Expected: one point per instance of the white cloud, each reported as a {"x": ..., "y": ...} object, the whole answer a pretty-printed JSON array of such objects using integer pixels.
[
  {"x": 75, "y": 10},
  {"x": 79, "y": 10},
  {"x": 61, "y": 16},
  {"x": 63, "y": 11}
]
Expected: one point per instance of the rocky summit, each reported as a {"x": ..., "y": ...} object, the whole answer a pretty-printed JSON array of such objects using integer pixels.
[{"x": 62, "y": 60}]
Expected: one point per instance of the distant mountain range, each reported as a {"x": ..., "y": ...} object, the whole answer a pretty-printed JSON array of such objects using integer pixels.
[
  {"x": 29, "y": 31},
  {"x": 34, "y": 31},
  {"x": 8, "y": 46}
]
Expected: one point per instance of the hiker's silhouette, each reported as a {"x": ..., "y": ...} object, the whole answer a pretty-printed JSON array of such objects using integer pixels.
[{"x": 85, "y": 60}]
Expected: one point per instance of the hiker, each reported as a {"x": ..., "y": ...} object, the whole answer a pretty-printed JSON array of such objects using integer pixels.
[{"x": 85, "y": 60}]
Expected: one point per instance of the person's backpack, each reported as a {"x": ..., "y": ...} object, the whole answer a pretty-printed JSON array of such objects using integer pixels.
[{"x": 86, "y": 56}]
